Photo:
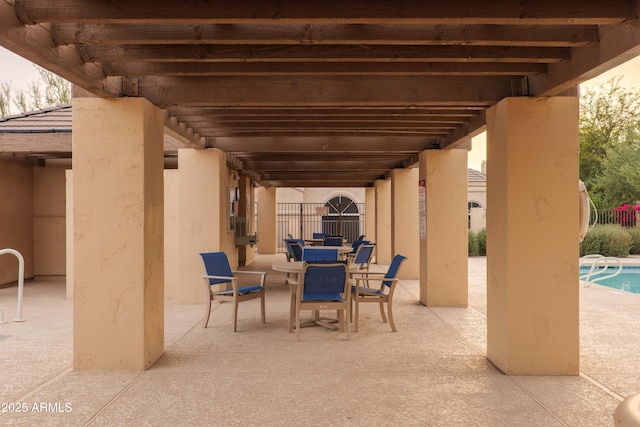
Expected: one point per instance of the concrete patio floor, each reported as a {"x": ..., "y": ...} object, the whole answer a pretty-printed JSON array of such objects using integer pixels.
[{"x": 432, "y": 372}]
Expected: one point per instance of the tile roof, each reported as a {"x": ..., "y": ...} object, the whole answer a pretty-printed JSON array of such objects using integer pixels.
[
  {"x": 475, "y": 176},
  {"x": 46, "y": 120}
]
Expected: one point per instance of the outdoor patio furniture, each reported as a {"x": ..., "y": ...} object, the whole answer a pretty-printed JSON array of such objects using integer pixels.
[
  {"x": 319, "y": 254},
  {"x": 363, "y": 292},
  {"x": 332, "y": 241},
  {"x": 294, "y": 249},
  {"x": 217, "y": 280},
  {"x": 323, "y": 286},
  {"x": 361, "y": 260}
]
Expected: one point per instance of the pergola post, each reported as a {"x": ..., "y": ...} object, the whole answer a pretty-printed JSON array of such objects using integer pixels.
[
  {"x": 532, "y": 236},
  {"x": 444, "y": 243},
  {"x": 404, "y": 203},
  {"x": 118, "y": 262}
]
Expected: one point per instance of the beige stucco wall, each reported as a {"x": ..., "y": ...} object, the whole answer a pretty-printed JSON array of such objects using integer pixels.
[
  {"x": 404, "y": 202},
  {"x": 532, "y": 236},
  {"x": 370, "y": 215},
  {"x": 267, "y": 220},
  {"x": 203, "y": 217},
  {"x": 444, "y": 252},
  {"x": 323, "y": 194},
  {"x": 384, "y": 245},
  {"x": 49, "y": 217},
  {"x": 171, "y": 235},
  {"x": 16, "y": 219},
  {"x": 171, "y": 271},
  {"x": 118, "y": 215},
  {"x": 69, "y": 233}
]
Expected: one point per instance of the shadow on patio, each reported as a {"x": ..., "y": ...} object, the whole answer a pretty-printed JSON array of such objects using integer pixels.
[{"x": 432, "y": 372}]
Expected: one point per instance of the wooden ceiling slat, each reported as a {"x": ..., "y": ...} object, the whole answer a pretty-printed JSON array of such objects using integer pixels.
[
  {"x": 258, "y": 69},
  {"x": 338, "y": 91},
  {"x": 283, "y": 34},
  {"x": 323, "y": 144},
  {"x": 595, "y": 12},
  {"x": 354, "y": 89},
  {"x": 322, "y": 53}
]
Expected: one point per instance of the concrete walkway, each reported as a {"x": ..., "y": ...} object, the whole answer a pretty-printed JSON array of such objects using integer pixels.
[{"x": 432, "y": 372}]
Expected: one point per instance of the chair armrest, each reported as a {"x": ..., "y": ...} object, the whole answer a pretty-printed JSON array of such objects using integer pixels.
[
  {"x": 376, "y": 279},
  {"x": 248, "y": 272},
  {"x": 229, "y": 278},
  {"x": 291, "y": 281},
  {"x": 371, "y": 276},
  {"x": 232, "y": 280},
  {"x": 262, "y": 274}
]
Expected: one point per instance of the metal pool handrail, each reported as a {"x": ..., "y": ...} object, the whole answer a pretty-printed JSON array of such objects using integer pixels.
[
  {"x": 600, "y": 268},
  {"x": 20, "y": 283}
]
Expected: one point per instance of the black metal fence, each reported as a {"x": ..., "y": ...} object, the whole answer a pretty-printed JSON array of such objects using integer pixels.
[{"x": 301, "y": 220}]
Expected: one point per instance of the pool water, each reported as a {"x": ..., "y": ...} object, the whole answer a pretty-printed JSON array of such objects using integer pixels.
[{"x": 628, "y": 280}]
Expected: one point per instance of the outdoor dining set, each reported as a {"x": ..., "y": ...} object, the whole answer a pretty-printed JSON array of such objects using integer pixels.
[{"x": 322, "y": 274}]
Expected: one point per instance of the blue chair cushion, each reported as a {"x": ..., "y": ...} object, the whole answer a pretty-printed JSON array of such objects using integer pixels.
[
  {"x": 241, "y": 291},
  {"x": 321, "y": 296},
  {"x": 369, "y": 291}
]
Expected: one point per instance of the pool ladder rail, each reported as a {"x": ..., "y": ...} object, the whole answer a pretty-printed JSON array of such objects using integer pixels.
[
  {"x": 600, "y": 268},
  {"x": 20, "y": 283}
]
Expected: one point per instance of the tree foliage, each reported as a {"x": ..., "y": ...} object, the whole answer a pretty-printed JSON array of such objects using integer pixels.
[
  {"x": 608, "y": 120},
  {"x": 49, "y": 90},
  {"x": 619, "y": 180}
]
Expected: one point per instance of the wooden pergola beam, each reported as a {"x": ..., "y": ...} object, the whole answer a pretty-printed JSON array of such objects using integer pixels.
[
  {"x": 324, "y": 34},
  {"x": 335, "y": 91},
  {"x": 506, "y": 12},
  {"x": 323, "y": 54}
]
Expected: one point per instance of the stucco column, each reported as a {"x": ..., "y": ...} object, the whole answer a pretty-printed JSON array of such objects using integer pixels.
[
  {"x": 383, "y": 221},
  {"x": 118, "y": 260},
  {"x": 444, "y": 280},
  {"x": 246, "y": 253},
  {"x": 404, "y": 203},
  {"x": 267, "y": 220},
  {"x": 69, "y": 232},
  {"x": 370, "y": 214},
  {"x": 532, "y": 236},
  {"x": 202, "y": 217}
]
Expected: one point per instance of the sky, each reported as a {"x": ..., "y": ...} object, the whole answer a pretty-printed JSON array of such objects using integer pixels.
[{"x": 19, "y": 73}]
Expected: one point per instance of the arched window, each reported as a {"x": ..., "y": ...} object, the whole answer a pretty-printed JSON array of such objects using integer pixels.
[
  {"x": 342, "y": 219},
  {"x": 471, "y": 205}
]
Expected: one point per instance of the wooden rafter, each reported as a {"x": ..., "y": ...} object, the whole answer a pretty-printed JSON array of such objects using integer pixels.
[{"x": 350, "y": 89}]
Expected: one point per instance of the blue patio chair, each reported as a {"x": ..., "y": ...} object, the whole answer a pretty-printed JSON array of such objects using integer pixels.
[
  {"x": 319, "y": 254},
  {"x": 217, "y": 280},
  {"x": 362, "y": 292},
  {"x": 324, "y": 286},
  {"x": 319, "y": 235},
  {"x": 297, "y": 248},
  {"x": 357, "y": 243},
  {"x": 294, "y": 249},
  {"x": 332, "y": 241},
  {"x": 361, "y": 260}
]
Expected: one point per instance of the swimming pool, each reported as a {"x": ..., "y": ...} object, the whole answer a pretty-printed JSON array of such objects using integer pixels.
[{"x": 628, "y": 280}]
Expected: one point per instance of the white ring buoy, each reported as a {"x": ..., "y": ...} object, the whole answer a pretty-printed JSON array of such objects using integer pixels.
[{"x": 584, "y": 210}]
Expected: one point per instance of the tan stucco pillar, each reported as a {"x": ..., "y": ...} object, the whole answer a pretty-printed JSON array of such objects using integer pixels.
[
  {"x": 404, "y": 203},
  {"x": 444, "y": 238},
  {"x": 267, "y": 220},
  {"x": 69, "y": 232},
  {"x": 532, "y": 236},
  {"x": 246, "y": 253},
  {"x": 171, "y": 235},
  {"x": 370, "y": 214},
  {"x": 118, "y": 264},
  {"x": 202, "y": 216},
  {"x": 383, "y": 221}
]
